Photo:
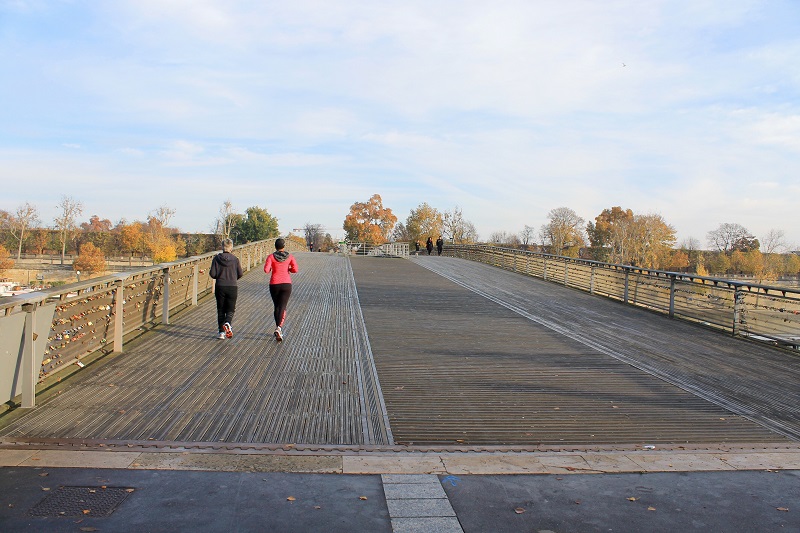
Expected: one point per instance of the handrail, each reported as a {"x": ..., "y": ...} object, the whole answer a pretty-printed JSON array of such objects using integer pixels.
[
  {"x": 54, "y": 328},
  {"x": 762, "y": 312}
]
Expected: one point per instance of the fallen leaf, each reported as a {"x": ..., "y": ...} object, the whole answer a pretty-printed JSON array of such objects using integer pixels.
[
  {"x": 44, "y": 474},
  {"x": 129, "y": 490},
  {"x": 362, "y": 498},
  {"x": 784, "y": 509},
  {"x": 103, "y": 487},
  {"x": 556, "y": 408},
  {"x": 651, "y": 508},
  {"x": 92, "y": 491},
  {"x": 400, "y": 388},
  {"x": 45, "y": 489},
  {"x": 519, "y": 510},
  {"x": 86, "y": 511},
  {"x": 291, "y": 498},
  {"x": 631, "y": 499},
  {"x": 577, "y": 502},
  {"x": 317, "y": 507},
  {"x": 136, "y": 464},
  {"x": 35, "y": 459},
  {"x": 11, "y": 505},
  {"x": 88, "y": 528},
  {"x": 570, "y": 468}
]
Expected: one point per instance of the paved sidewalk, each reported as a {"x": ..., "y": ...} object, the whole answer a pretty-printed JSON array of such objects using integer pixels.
[
  {"x": 745, "y": 490},
  {"x": 206, "y": 501}
]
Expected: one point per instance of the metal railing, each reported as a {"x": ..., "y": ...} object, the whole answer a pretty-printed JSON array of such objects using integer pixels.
[
  {"x": 390, "y": 249},
  {"x": 762, "y": 312},
  {"x": 54, "y": 328}
]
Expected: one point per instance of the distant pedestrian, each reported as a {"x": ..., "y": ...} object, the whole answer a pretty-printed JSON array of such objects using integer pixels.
[
  {"x": 439, "y": 245},
  {"x": 281, "y": 263},
  {"x": 429, "y": 245},
  {"x": 226, "y": 270},
  {"x": 416, "y": 247}
]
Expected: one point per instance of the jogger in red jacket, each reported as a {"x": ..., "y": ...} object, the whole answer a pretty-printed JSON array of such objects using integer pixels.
[{"x": 281, "y": 263}]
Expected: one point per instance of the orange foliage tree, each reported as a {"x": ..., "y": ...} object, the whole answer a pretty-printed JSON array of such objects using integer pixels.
[
  {"x": 6, "y": 263},
  {"x": 369, "y": 221},
  {"x": 91, "y": 260}
]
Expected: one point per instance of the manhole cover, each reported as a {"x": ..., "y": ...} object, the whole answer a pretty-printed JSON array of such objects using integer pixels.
[{"x": 81, "y": 501}]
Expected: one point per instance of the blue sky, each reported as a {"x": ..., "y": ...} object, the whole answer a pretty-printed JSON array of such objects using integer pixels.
[{"x": 507, "y": 109}]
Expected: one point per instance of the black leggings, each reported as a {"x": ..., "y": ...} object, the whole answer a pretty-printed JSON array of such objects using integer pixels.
[
  {"x": 226, "y": 303},
  {"x": 280, "y": 293}
]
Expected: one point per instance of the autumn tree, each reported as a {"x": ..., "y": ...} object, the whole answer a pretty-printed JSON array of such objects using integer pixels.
[
  {"x": 66, "y": 223},
  {"x": 40, "y": 240},
  {"x": 678, "y": 261},
  {"x": 653, "y": 240},
  {"x": 611, "y": 235},
  {"x": 90, "y": 260},
  {"x": 423, "y": 222},
  {"x": 6, "y": 263},
  {"x": 563, "y": 234},
  {"x": 457, "y": 228},
  {"x": 131, "y": 236},
  {"x": 98, "y": 231},
  {"x": 369, "y": 221}
]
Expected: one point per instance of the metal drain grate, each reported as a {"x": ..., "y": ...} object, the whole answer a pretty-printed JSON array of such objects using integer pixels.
[{"x": 81, "y": 501}]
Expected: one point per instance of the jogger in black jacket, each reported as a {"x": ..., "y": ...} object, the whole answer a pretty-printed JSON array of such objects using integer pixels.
[{"x": 226, "y": 269}]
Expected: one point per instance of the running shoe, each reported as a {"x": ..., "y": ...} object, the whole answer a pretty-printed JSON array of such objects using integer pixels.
[
  {"x": 228, "y": 330},
  {"x": 221, "y": 335},
  {"x": 278, "y": 334}
]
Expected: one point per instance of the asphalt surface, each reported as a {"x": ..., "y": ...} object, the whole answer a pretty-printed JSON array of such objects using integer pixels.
[{"x": 203, "y": 501}]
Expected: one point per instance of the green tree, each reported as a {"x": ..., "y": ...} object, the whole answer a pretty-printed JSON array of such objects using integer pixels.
[
  {"x": 256, "y": 225},
  {"x": 718, "y": 264}
]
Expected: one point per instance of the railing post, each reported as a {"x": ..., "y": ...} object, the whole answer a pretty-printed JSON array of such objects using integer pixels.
[
  {"x": 165, "y": 299},
  {"x": 29, "y": 370},
  {"x": 195, "y": 282},
  {"x": 566, "y": 271},
  {"x": 738, "y": 303},
  {"x": 544, "y": 268},
  {"x": 672, "y": 296},
  {"x": 119, "y": 315},
  {"x": 248, "y": 259},
  {"x": 591, "y": 280},
  {"x": 625, "y": 289}
]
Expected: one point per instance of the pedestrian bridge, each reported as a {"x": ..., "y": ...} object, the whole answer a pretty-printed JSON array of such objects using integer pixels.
[{"x": 389, "y": 353}]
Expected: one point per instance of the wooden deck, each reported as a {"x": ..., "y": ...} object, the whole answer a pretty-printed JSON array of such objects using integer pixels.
[{"x": 432, "y": 350}]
